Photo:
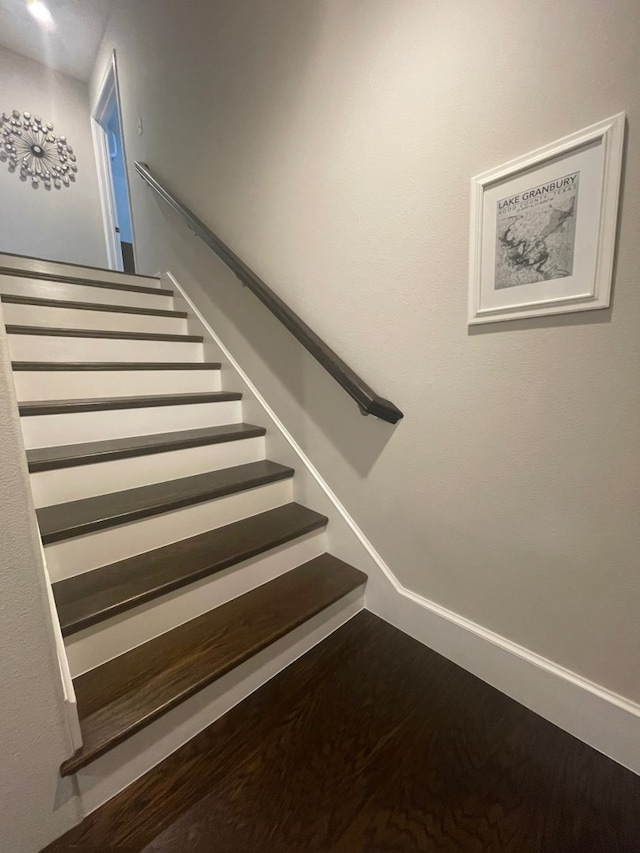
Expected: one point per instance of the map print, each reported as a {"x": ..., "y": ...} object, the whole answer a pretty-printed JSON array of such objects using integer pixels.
[{"x": 535, "y": 233}]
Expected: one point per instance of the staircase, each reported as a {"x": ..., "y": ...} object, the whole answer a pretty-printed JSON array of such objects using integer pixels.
[{"x": 184, "y": 573}]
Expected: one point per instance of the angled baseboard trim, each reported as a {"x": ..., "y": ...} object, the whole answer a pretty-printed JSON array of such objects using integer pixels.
[{"x": 601, "y": 718}]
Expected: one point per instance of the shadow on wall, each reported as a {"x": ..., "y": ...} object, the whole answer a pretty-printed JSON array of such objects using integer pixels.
[
  {"x": 242, "y": 179},
  {"x": 580, "y": 318},
  {"x": 318, "y": 402}
]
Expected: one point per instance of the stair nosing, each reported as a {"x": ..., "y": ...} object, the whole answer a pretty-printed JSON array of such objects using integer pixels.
[
  {"x": 33, "y": 408},
  {"x": 271, "y": 636},
  {"x": 169, "y": 444},
  {"x": 36, "y": 301},
  {"x": 87, "y": 282},
  {"x": 54, "y": 332},
  {"x": 159, "y": 506},
  {"x": 311, "y": 525},
  {"x": 46, "y": 366},
  {"x": 77, "y": 266}
]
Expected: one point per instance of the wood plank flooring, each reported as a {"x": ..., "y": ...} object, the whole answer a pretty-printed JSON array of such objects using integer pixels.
[{"x": 371, "y": 743}]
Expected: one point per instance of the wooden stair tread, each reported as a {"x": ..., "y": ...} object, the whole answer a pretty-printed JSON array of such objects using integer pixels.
[
  {"x": 94, "y": 596},
  {"x": 53, "y": 261},
  {"x": 122, "y": 696},
  {"x": 29, "y": 408},
  {"x": 114, "y": 365},
  {"x": 76, "y": 518},
  {"x": 71, "y": 455},
  {"x": 38, "y": 301},
  {"x": 52, "y": 331},
  {"x": 87, "y": 282}
]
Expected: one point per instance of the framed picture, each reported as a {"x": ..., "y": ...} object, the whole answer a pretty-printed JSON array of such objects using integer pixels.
[{"x": 543, "y": 228}]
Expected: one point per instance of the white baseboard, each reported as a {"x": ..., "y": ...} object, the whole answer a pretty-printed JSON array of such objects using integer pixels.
[{"x": 603, "y": 719}]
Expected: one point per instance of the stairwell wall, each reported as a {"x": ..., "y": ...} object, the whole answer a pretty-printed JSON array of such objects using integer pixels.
[
  {"x": 65, "y": 224},
  {"x": 36, "y": 805},
  {"x": 331, "y": 144}
]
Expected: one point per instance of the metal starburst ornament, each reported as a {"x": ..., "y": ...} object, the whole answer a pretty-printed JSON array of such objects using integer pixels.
[{"x": 30, "y": 146}]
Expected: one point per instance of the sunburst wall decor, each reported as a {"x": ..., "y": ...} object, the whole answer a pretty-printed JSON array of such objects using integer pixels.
[{"x": 31, "y": 147}]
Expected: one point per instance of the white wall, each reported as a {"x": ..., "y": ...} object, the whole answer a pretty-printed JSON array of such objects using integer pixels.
[
  {"x": 36, "y": 805},
  {"x": 331, "y": 143},
  {"x": 65, "y": 224}
]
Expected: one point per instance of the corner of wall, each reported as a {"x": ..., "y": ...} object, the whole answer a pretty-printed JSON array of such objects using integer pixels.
[
  {"x": 38, "y": 724},
  {"x": 597, "y": 716}
]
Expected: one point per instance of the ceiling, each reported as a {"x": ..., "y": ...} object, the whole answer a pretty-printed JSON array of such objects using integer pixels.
[{"x": 70, "y": 47}]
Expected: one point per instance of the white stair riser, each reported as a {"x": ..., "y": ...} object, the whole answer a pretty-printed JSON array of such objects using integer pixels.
[
  {"x": 82, "y": 553},
  {"x": 68, "y": 348},
  {"x": 103, "y": 778},
  {"x": 37, "y": 265},
  {"x": 75, "y": 385},
  {"x": 76, "y": 427},
  {"x": 82, "y": 293},
  {"x": 94, "y": 646},
  {"x": 74, "y": 318},
  {"x": 85, "y": 481}
]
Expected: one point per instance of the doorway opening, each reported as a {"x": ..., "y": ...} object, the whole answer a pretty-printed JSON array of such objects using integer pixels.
[{"x": 112, "y": 173}]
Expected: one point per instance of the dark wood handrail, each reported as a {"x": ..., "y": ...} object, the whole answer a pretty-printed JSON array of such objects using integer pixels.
[{"x": 368, "y": 401}]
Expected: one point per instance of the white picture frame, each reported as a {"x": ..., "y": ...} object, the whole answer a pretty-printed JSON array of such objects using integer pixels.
[{"x": 543, "y": 228}]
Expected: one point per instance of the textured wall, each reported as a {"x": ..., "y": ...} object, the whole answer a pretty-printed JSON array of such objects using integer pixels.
[
  {"x": 36, "y": 805},
  {"x": 331, "y": 143},
  {"x": 65, "y": 224}
]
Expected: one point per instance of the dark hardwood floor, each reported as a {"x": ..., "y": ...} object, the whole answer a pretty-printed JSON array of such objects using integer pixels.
[{"x": 373, "y": 743}]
